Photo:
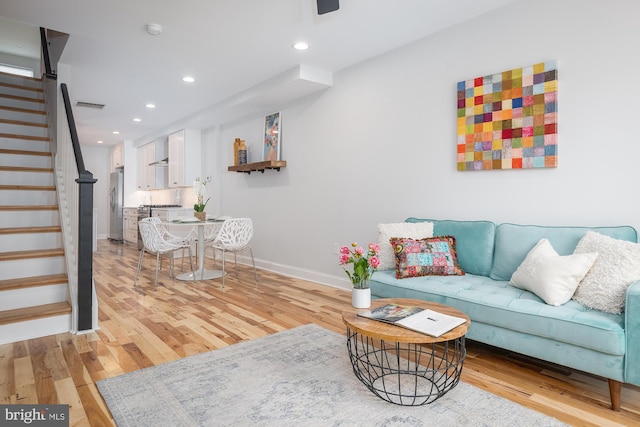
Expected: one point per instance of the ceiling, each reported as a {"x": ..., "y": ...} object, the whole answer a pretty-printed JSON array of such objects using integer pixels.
[{"x": 227, "y": 46}]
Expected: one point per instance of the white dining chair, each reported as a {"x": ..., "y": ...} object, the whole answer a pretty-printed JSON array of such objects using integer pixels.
[
  {"x": 235, "y": 236},
  {"x": 211, "y": 231},
  {"x": 154, "y": 243},
  {"x": 190, "y": 237}
]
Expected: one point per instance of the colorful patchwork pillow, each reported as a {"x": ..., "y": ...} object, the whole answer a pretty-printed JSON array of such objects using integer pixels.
[{"x": 433, "y": 256}]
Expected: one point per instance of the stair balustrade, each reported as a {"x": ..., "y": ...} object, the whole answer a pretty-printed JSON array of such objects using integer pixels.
[{"x": 75, "y": 200}]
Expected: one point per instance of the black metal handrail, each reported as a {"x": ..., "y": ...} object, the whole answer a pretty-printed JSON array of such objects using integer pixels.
[
  {"x": 75, "y": 141},
  {"x": 45, "y": 55}
]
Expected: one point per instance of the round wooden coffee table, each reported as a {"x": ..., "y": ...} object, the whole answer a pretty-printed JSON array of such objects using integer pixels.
[{"x": 402, "y": 366}]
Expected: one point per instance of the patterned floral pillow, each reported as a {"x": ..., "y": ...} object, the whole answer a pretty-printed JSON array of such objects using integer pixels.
[{"x": 433, "y": 256}]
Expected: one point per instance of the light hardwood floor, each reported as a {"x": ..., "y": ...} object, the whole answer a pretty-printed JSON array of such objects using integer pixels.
[{"x": 140, "y": 327}]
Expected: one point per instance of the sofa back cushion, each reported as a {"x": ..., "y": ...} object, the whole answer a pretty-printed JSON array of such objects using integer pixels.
[
  {"x": 514, "y": 241},
  {"x": 474, "y": 242}
]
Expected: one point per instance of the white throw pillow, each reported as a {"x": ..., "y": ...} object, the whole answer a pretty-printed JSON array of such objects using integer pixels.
[
  {"x": 411, "y": 230},
  {"x": 552, "y": 277},
  {"x": 617, "y": 266}
]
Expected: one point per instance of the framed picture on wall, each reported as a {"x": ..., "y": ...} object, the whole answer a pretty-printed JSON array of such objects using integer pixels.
[
  {"x": 509, "y": 120},
  {"x": 272, "y": 134}
]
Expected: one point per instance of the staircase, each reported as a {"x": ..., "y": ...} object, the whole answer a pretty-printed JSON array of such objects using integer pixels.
[{"x": 34, "y": 290}]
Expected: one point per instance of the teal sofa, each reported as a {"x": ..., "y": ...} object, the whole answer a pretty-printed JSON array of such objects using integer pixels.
[{"x": 504, "y": 316}]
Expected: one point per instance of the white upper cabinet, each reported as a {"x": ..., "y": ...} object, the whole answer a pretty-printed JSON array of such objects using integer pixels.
[
  {"x": 146, "y": 173},
  {"x": 117, "y": 157},
  {"x": 151, "y": 170},
  {"x": 185, "y": 161}
]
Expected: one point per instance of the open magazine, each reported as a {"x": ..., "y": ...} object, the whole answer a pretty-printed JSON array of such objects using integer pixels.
[{"x": 417, "y": 319}]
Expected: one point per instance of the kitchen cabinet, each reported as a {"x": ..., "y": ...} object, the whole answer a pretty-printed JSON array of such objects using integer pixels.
[
  {"x": 185, "y": 157},
  {"x": 151, "y": 174},
  {"x": 146, "y": 173},
  {"x": 130, "y": 225},
  {"x": 117, "y": 158}
]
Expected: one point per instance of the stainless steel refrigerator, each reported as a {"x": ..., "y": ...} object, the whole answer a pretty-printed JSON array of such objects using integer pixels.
[{"x": 116, "y": 201}]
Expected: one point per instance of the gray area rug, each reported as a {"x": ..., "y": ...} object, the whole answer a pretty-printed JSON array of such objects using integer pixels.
[{"x": 299, "y": 377}]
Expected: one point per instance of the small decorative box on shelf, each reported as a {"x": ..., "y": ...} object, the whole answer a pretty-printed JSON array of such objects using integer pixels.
[{"x": 258, "y": 166}]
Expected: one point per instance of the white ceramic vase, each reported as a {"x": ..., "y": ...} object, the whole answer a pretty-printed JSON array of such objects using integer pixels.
[{"x": 361, "y": 297}]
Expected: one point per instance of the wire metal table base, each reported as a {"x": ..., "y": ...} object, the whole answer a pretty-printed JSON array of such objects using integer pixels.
[{"x": 405, "y": 373}]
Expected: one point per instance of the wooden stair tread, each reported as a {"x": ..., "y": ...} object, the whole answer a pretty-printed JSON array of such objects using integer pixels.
[
  {"x": 33, "y": 253},
  {"x": 21, "y": 98},
  {"x": 23, "y": 123},
  {"x": 25, "y": 230},
  {"x": 25, "y": 152},
  {"x": 29, "y": 187},
  {"x": 29, "y": 208},
  {"x": 36, "y": 312},
  {"x": 22, "y": 110},
  {"x": 25, "y": 169},
  {"x": 30, "y": 282},
  {"x": 26, "y": 137},
  {"x": 22, "y": 87}
]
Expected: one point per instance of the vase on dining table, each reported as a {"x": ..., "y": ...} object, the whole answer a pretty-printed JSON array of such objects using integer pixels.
[{"x": 200, "y": 215}]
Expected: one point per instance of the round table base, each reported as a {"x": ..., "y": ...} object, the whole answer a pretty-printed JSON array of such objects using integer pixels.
[
  {"x": 207, "y": 275},
  {"x": 406, "y": 374}
]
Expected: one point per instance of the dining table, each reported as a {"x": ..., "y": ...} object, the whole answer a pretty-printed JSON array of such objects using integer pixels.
[{"x": 201, "y": 273}]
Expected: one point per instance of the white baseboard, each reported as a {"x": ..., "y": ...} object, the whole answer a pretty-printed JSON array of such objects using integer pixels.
[{"x": 298, "y": 273}]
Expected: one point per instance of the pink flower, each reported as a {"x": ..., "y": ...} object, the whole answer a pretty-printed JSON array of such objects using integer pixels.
[
  {"x": 374, "y": 261},
  {"x": 364, "y": 263}
]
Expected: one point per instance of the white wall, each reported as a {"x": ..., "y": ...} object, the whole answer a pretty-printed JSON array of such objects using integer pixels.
[{"x": 380, "y": 145}]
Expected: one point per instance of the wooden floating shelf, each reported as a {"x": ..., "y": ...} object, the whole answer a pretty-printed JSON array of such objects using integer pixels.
[{"x": 258, "y": 166}]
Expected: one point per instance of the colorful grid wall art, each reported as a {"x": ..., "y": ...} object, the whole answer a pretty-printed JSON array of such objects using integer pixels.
[{"x": 509, "y": 120}]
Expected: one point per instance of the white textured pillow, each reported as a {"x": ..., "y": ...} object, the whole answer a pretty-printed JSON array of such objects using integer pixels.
[
  {"x": 617, "y": 266},
  {"x": 552, "y": 277},
  {"x": 411, "y": 230}
]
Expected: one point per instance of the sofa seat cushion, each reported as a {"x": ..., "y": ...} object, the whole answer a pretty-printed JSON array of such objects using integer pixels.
[{"x": 497, "y": 303}]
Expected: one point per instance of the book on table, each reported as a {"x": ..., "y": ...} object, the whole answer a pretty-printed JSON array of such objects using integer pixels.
[{"x": 417, "y": 319}]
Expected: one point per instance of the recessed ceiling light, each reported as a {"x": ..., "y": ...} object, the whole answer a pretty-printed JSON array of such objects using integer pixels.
[
  {"x": 153, "y": 28},
  {"x": 137, "y": 119},
  {"x": 301, "y": 46},
  {"x": 150, "y": 106},
  {"x": 188, "y": 79},
  {"x": 115, "y": 132},
  {"x": 99, "y": 142}
]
